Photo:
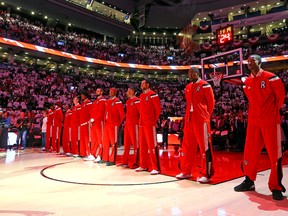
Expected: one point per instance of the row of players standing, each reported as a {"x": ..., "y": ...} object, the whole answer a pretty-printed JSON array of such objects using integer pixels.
[{"x": 92, "y": 127}]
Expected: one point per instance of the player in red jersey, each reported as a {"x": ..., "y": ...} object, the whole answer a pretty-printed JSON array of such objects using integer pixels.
[
  {"x": 97, "y": 125},
  {"x": 131, "y": 130},
  {"x": 57, "y": 123},
  {"x": 75, "y": 127},
  {"x": 265, "y": 92},
  {"x": 66, "y": 138},
  {"x": 199, "y": 107},
  {"x": 85, "y": 127},
  {"x": 150, "y": 109},
  {"x": 49, "y": 130},
  {"x": 114, "y": 115}
]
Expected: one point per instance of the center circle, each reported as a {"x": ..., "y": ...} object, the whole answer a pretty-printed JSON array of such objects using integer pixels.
[{"x": 89, "y": 173}]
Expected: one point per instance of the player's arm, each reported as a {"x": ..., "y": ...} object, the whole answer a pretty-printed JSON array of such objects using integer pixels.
[
  {"x": 209, "y": 95},
  {"x": 137, "y": 104},
  {"x": 278, "y": 88},
  {"x": 102, "y": 106},
  {"x": 245, "y": 87},
  {"x": 120, "y": 109},
  {"x": 157, "y": 106}
]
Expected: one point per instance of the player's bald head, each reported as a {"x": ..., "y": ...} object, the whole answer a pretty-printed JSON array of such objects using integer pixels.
[
  {"x": 193, "y": 74},
  {"x": 256, "y": 58},
  {"x": 194, "y": 70}
]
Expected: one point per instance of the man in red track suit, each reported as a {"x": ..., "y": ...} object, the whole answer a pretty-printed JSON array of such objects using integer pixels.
[
  {"x": 97, "y": 124},
  {"x": 66, "y": 139},
  {"x": 265, "y": 92},
  {"x": 75, "y": 127},
  {"x": 85, "y": 129},
  {"x": 49, "y": 130},
  {"x": 197, "y": 132},
  {"x": 150, "y": 109},
  {"x": 57, "y": 124},
  {"x": 114, "y": 115},
  {"x": 131, "y": 130}
]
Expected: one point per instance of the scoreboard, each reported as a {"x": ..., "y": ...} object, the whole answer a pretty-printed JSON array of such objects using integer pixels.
[{"x": 224, "y": 35}]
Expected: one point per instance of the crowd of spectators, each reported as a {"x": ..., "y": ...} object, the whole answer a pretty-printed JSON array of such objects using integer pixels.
[
  {"x": 15, "y": 27},
  {"x": 23, "y": 87}
]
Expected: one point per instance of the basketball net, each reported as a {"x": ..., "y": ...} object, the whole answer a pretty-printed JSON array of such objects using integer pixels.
[{"x": 216, "y": 78}]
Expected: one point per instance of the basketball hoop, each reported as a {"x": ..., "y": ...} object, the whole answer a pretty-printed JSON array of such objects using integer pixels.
[{"x": 216, "y": 78}]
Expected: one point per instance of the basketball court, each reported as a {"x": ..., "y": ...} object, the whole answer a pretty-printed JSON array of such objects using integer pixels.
[{"x": 35, "y": 183}]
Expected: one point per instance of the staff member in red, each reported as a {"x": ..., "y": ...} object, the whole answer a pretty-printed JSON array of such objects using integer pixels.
[
  {"x": 66, "y": 139},
  {"x": 199, "y": 107},
  {"x": 49, "y": 129},
  {"x": 75, "y": 127},
  {"x": 57, "y": 124},
  {"x": 85, "y": 129},
  {"x": 150, "y": 109},
  {"x": 131, "y": 130},
  {"x": 114, "y": 115},
  {"x": 265, "y": 92},
  {"x": 97, "y": 124}
]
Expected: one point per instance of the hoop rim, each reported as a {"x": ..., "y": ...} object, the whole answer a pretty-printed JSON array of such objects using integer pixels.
[{"x": 216, "y": 77}]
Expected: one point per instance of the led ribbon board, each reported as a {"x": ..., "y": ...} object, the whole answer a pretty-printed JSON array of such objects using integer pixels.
[{"x": 110, "y": 63}]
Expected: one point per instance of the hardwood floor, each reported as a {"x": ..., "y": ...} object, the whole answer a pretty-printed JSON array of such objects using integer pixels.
[{"x": 70, "y": 186}]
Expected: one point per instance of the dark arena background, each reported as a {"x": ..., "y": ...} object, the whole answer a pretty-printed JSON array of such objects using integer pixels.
[{"x": 53, "y": 51}]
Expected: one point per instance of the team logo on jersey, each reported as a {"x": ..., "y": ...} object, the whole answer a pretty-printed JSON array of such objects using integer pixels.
[
  {"x": 198, "y": 89},
  {"x": 113, "y": 104},
  {"x": 146, "y": 98},
  {"x": 263, "y": 85},
  {"x": 131, "y": 103}
]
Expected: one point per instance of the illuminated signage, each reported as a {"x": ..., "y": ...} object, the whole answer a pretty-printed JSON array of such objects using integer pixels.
[{"x": 224, "y": 35}]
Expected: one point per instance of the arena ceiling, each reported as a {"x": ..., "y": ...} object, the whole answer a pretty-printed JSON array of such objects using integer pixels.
[
  {"x": 162, "y": 14},
  {"x": 176, "y": 13}
]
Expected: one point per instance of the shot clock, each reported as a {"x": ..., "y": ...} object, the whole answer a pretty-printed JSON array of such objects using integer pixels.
[{"x": 224, "y": 35}]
